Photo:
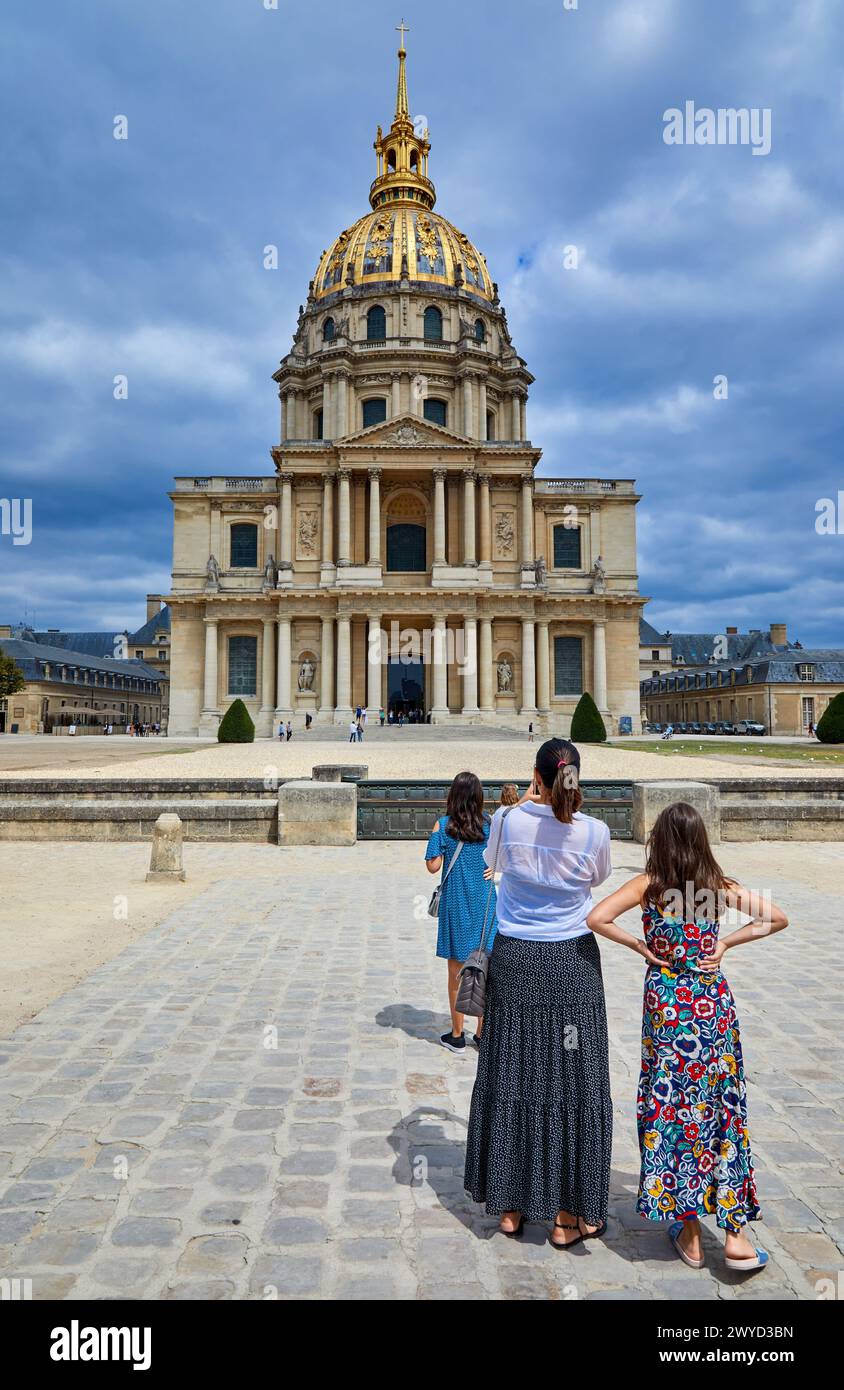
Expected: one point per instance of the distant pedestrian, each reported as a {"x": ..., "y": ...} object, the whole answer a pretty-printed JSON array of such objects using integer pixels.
[
  {"x": 464, "y": 831},
  {"x": 353, "y": 731},
  {"x": 811, "y": 729},
  {"x": 289, "y": 731},
  {"x": 281, "y": 731},
  {"x": 381, "y": 717},
  {"x": 530, "y": 733},
  {"x": 308, "y": 721}
]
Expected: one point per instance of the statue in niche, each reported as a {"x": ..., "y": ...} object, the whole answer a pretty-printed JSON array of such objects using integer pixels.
[
  {"x": 504, "y": 532},
  {"x": 212, "y": 571},
  {"x": 269, "y": 573},
  {"x": 307, "y": 672},
  {"x": 308, "y": 526},
  {"x": 505, "y": 678},
  {"x": 540, "y": 570},
  {"x": 599, "y": 576}
]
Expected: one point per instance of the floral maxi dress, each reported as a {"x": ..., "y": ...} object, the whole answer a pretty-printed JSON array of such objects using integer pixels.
[{"x": 692, "y": 1105}]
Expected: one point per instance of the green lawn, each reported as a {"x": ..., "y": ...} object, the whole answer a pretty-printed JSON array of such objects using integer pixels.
[{"x": 737, "y": 747}]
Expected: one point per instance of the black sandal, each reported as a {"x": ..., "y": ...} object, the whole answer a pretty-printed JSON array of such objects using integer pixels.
[
  {"x": 566, "y": 1226},
  {"x": 516, "y": 1232},
  {"x": 596, "y": 1234}
]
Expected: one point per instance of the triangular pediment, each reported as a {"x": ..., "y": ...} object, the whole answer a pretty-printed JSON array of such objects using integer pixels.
[{"x": 407, "y": 432}]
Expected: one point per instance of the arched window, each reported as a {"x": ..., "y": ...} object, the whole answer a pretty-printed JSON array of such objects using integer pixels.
[
  {"x": 391, "y": 161},
  {"x": 376, "y": 324},
  {"x": 406, "y": 548},
  {"x": 480, "y": 331},
  {"x": 244, "y": 546},
  {"x": 374, "y": 411},
  {"x": 435, "y": 411},
  {"x": 414, "y": 160},
  {"x": 433, "y": 325},
  {"x": 328, "y": 333}
]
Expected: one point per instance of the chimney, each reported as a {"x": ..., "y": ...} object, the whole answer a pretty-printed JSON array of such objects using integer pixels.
[
  {"x": 5, "y": 630},
  {"x": 153, "y": 605},
  {"x": 778, "y": 634},
  {"x": 732, "y": 631}
]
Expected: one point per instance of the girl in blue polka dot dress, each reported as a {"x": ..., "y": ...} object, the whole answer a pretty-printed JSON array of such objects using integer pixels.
[{"x": 464, "y": 893}]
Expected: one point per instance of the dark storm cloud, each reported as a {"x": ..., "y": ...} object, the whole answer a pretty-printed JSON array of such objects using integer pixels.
[{"x": 250, "y": 127}]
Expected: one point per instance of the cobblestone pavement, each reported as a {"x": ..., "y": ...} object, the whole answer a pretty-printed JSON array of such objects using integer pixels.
[{"x": 250, "y": 1102}]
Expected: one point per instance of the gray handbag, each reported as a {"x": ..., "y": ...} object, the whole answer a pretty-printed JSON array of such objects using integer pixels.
[
  {"x": 434, "y": 904},
  {"x": 471, "y": 991}
]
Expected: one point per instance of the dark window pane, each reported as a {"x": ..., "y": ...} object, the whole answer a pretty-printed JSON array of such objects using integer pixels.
[
  {"x": 328, "y": 330},
  {"x": 244, "y": 547},
  {"x": 374, "y": 412},
  {"x": 568, "y": 666},
  {"x": 376, "y": 323},
  {"x": 243, "y": 665},
  {"x": 567, "y": 548},
  {"x": 480, "y": 331},
  {"x": 406, "y": 548},
  {"x": 317, "y": 424},
  {"x": 433, "y": 325},
  {"x": 435, "y": 411}
]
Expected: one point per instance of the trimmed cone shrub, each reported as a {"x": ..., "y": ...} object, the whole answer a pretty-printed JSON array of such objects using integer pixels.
[
  {"x": 236, "y": 725},
  {"x": 831, "y": 723},
  {"x": 587, "y": 726}
]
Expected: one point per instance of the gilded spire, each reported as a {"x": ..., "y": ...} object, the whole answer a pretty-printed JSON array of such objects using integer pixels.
[{"x": 402, "y": 108}]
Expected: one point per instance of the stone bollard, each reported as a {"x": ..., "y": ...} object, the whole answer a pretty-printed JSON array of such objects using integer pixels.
[
  {"x": 165, "y": 862},
  {"x": 317, "y": 813},
  {"x": 649, "y": 798}
]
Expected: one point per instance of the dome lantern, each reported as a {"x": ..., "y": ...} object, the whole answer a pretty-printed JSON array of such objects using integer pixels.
[{"x": 402, "y": 154}]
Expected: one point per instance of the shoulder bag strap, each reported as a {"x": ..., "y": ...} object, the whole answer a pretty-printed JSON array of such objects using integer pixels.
[{"x": 451, "y": 863}]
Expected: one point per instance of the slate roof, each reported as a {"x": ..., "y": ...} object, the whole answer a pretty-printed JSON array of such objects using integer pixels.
[
  {"x": 159, "y": 622},
  {"x": 777, "y": 666},
  {"x": 28, "y": 654},
  {"x": 649, "y": 637},
  {"x": 98, "y": 643}
]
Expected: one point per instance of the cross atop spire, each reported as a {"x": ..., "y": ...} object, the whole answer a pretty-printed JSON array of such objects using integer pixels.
[{"x": 401, "y": 93}]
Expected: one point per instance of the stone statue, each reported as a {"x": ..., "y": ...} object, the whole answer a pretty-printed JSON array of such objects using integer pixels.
[
  {"x": 505, "y": 678},
  {"x": 540, "y": 569},
  {"x": 212, "y": 571},
  {"x": 269, "y": 572},
  {"x": 599, "y": 576},
  {"x": 307, "y": 671}
]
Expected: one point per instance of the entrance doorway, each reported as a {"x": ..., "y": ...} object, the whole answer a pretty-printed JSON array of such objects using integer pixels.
[{"x": 406, "y": 689}]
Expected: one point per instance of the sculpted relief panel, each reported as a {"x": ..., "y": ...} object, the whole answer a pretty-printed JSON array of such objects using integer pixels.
[
  {"x": 505, "y": 534},
  {"x": 307, "y": 533}
]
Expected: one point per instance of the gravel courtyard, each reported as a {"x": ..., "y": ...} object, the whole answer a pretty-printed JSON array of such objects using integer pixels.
[{"x": 246, "y": 1099}]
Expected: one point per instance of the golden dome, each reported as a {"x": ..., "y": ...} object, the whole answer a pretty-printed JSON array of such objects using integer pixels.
[
  {"x": 402, "y": 238},
  {"x": 377, "y": 247}
]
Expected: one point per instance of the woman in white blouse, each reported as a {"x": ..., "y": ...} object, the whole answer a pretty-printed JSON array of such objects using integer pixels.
[{"x": 540, "y": 1125}]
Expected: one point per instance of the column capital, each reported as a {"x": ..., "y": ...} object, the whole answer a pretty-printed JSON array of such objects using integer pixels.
[
  {"x": 375, "y": 474},
  {"x": 483, "y": 479},
  {"x": 344, "y": 474},
  {"x": 469, "y": 474},
  {"x": 441, "y": 473},
  {"x": 286, "y": 477}
]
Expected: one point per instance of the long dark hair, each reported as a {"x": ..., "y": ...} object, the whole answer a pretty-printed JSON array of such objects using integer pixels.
[
  {"x": 679, "y": 859},
  {"x": 465, "y": 809},
  {"x": 558, "y": 764}
]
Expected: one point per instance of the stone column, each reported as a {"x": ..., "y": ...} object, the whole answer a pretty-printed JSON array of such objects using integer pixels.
[
  {"x": 373, "y": 664},
  {"x": 516, "y": 411},
  {"x": 282, "y": 697},
  {"x": 326, "y": 688},
  {"x": 286, "y": 538},
  {"x": 469, "y": 557},
  {"x": 485, "y": 555},
  {"x": 485, "y": 667},
  {"x": 375, "y": 519},
  {"x": 209, "y": 700},
  {"x": 524, "y": 433},
  {"x": 282, "y": 414},
  {"x": 543, "y": 668},
  {"x": 327, "y": 408},
  {"x": 268, "y": 668},
  {"x": 439, "y": 656},
  {"x": 527, "y": 521},
  {"x": 342, "y": 380},
  {"x": 344, "y": 545},
  {"x": 528, "y": 668},
  {"x": 439, "y": 516},
  {"x": 344, "y": 668},
  {"x": 599, "y": 663},
  {"x": 470, "y": 666},
  {"x": 328, "y": 520},
  {"x": 395, "y": 386},
  {"x": 481, "y": 407},
  {"x": 468, "y": 407}
]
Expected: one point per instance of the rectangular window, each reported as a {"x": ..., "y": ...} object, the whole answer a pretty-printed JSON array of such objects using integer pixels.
[
  {"x": 567, "y": 548},
  {"x": 243, "y": 665},
  {"x": 568, "y": 666},
  {"x": 374, "y": 412},
  {"x": 244, "y": 546},
  {"x": 805, "y": 673}
]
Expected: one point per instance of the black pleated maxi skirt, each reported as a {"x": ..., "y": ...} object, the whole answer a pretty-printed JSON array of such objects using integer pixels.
[{"x": 540, "y": 1124}]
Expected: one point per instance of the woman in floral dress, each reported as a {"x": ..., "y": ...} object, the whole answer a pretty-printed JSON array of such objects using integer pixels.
[{"x": 692, "y": 1105}]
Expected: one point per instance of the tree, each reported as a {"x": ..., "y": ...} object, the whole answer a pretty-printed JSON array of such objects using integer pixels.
[
  {"x": 830, "y": 727},
  {"x": 12, "y": 678},
  {"x": 587, "y": 726},
  {"x": 236, "y": 725}
]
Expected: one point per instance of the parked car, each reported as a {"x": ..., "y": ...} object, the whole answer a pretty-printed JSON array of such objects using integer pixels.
[
  {"x": 750, "y": 726},
  {"x": 726, "y": 726},
  {"x": 710, "y": 728},
  {"x": 681, "y": 728},
  {"x": 654, "y": 728},
  {"x": 695, "y": 728}
]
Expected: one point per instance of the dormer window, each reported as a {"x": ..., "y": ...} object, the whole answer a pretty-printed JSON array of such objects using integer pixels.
[{"x": 805, "y": 672}]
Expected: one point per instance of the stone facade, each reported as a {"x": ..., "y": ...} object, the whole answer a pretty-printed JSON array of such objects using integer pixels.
[{"x": 404, "y": 555}]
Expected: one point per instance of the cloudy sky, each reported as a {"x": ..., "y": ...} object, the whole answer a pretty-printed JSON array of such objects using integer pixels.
[{"x": 251, "y": 124}]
